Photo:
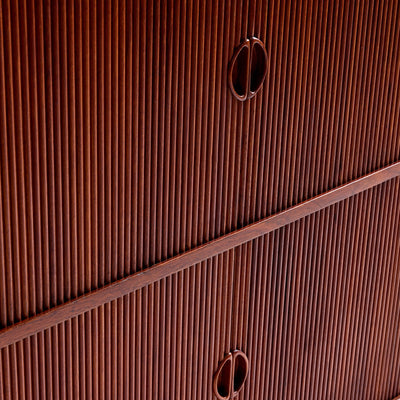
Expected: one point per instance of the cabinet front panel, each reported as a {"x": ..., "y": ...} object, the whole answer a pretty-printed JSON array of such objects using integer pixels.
[{"x": 123, "y": 146}]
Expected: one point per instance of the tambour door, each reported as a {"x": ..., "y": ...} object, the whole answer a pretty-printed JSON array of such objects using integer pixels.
[
  {"x": 323, "y": 315},
  {"x": 113, "y": 147},
  {"x": 113, "y": 158},
  {"x": 163, "y": 341}
]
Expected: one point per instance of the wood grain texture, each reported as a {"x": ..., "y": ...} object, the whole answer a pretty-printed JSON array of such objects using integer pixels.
[{"x": 122, "y": 147}]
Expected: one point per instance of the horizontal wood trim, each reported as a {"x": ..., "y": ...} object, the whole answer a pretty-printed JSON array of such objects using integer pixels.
[{"x": 159, "y": 271}]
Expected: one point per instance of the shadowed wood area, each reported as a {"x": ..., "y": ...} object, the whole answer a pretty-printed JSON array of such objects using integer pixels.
[{"x": 151, "y": 223}]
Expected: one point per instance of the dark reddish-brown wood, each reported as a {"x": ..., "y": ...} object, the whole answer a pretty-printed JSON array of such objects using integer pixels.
[{"x": 151, "y": 223}]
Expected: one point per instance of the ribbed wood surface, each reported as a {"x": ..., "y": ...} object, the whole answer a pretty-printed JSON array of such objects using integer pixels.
[
  {"x": 121, "y": 144},
  {"x": 325, "y": 305},
  {"x": 162, "y": 342},
  {"x": 315, "y": 305}
]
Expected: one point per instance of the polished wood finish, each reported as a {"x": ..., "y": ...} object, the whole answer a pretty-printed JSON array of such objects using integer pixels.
[{"x": 150, "y": 223}]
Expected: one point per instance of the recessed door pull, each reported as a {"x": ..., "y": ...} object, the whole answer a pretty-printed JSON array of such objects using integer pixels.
[
  {"x": 247, "y": 69},
  {"x": 231, "y": 375}
]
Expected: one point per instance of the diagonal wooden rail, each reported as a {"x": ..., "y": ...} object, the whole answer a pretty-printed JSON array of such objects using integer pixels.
[{"x": 175, "y": 264}]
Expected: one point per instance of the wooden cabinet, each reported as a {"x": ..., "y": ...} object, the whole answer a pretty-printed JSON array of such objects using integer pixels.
[{"x": 183, "y": 179}]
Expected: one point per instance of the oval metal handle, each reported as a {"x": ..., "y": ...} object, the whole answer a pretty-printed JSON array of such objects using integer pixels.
[
  {"x": 239, "y": 71},
  {"x": 222, "y": 379},
  {"x": 231, "y": 375},
  {"x": 247, "y": 69},
  {"x": 240, "y": 371},
  {"x": 258, "y": 66}
]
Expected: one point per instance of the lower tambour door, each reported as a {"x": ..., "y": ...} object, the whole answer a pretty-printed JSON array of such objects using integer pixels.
[
  {"x": 164, "y": 341},
  {"x": 324, "y": 303}
]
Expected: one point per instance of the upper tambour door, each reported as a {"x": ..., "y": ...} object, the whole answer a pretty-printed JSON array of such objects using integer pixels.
[{"x": 119, "y": 141}]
